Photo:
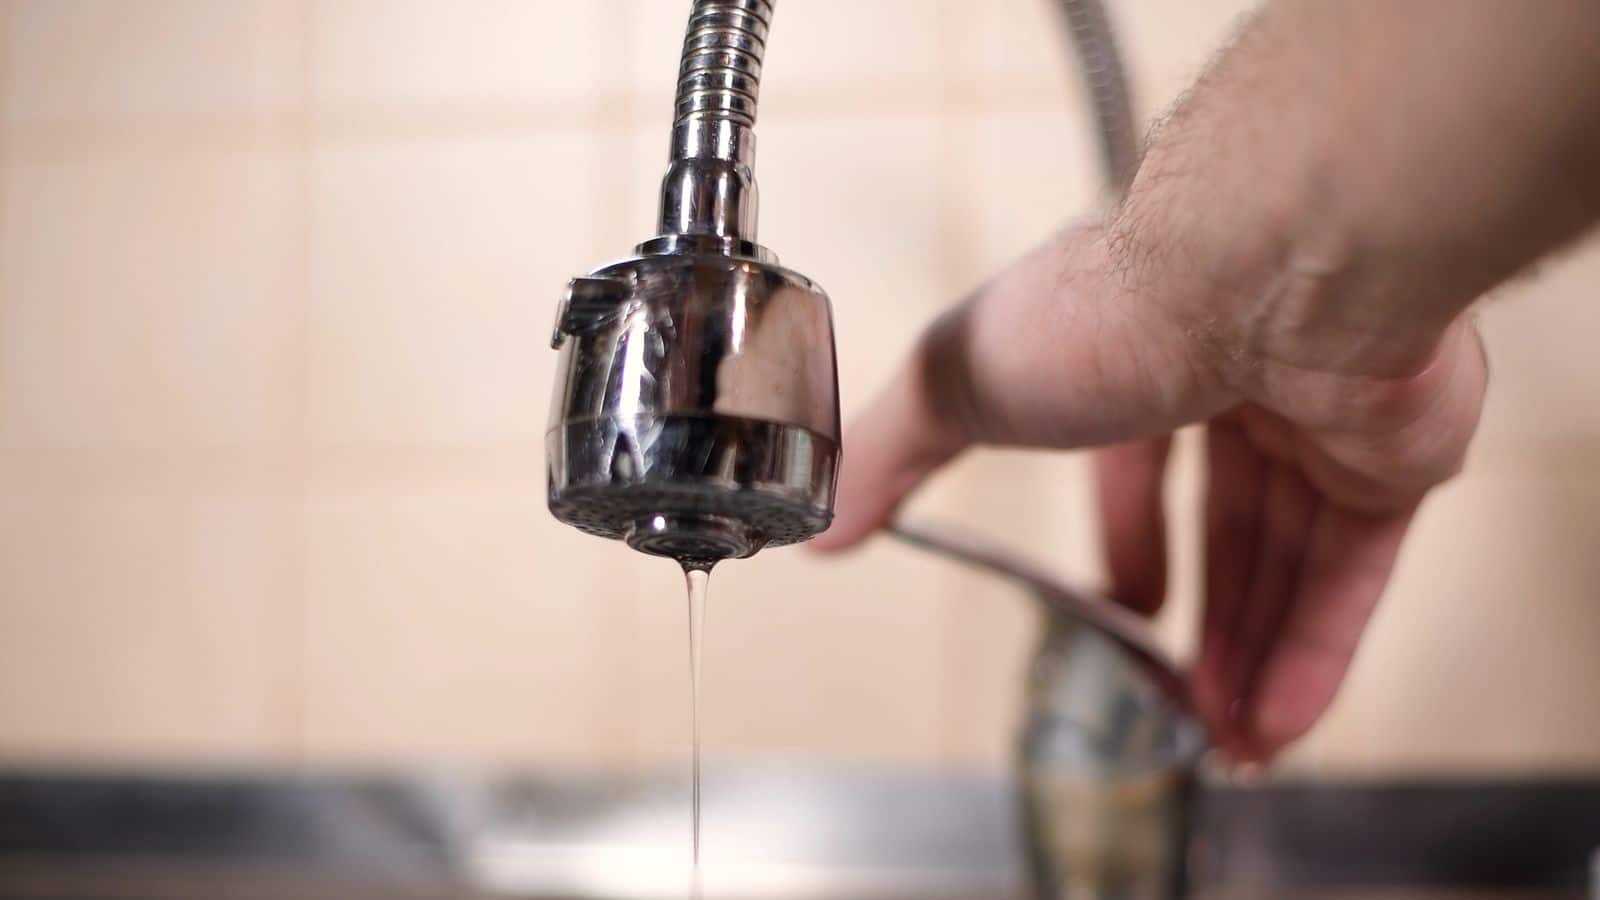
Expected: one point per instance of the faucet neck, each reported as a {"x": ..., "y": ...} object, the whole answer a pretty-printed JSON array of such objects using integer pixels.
[{"x": 710, "y": 188}]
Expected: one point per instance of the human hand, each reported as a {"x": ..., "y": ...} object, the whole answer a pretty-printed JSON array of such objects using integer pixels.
[
  {"x": 1293, "y": 267},
  {"x": 1315, "y": 462}
]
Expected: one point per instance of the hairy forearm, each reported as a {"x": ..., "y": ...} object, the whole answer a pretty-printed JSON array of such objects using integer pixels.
[{"x": 1349, "y": 176}]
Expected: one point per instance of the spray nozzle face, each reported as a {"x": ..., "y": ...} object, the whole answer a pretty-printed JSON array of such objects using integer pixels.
[{"x": 694, "y": 539}]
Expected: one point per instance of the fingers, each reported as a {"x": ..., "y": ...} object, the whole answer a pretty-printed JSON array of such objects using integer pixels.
[
  {"x": 910, "y": 430},
  {"x": 1267, "y": 673},
  {"x": 1235, "y": 485},
  {"x": 917, "y": 423},
  {"x": 1291, "y": 582},
  {"x": 1287, "y": 513},
  {"x": 1051, "y": 354},
  {"x": 1133, "y": 520},
  {"x": 1348, "y": 562},
  {"x": 1288, "y": 507}
]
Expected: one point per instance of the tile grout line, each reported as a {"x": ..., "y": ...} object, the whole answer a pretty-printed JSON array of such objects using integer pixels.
[
  {"x": 956, "y": 170},
  {"x": 296, "y": 638},
  {"x": 422, "y": 122}
]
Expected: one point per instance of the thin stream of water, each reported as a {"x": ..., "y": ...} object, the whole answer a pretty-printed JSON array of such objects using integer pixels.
[{"x": 697, "y": 579}]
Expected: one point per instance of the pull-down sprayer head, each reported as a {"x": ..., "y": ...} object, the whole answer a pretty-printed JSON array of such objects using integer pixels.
[{"x": 696, "y": 410}]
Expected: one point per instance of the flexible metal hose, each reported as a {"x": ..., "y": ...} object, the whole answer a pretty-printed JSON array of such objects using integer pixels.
[
  {"x": 720, "y": 75},
  {"x": 1100, "y": 61},
  {"x": 710, "y": 188}
]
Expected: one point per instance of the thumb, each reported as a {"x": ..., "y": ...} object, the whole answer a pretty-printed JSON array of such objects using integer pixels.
[{"x": 1056, "y": 352}]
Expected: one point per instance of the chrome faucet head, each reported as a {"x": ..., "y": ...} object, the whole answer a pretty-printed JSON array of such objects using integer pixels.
[{"x": 696, "y": 409}]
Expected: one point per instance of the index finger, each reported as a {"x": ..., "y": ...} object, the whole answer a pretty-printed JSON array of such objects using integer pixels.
[{"x": 1053, "y": 353}]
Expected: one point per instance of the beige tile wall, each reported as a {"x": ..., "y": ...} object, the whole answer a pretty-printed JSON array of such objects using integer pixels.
[{"x": 275, "y": 277}]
